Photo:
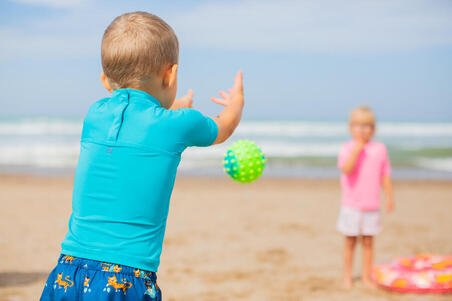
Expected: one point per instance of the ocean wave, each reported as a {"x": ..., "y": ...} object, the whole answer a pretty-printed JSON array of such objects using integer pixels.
[
  {"x": 340, "y": 129},
  {"x": 250, "y": 129},
  {"x": 415, "y": 129},
  {"x": 42, "y": 154},
  {"x": 291, "y": 129},
  {"x": 36, "y": 154},
  {"x": 40, "y": 126},
  {"x": 331, "y": 129},
  {"x": 271, "y": 149},
  {"x": 442, "y": 164},
  {"x": 51, "y": 154},
  {"x": 54, "y": 143}
]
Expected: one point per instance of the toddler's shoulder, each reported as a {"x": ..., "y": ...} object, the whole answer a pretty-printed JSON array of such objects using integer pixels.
[
  {"x": 185, "y": 121},
  {"x": 379, "y": 145},
  {"x": 348, "y": 145},
  {"x": 176, "y": 114},
  {"x": 187, "y": 113},
  {"x": 185, "y": 116},
  {"x": 92, "y": 116},
  {"x": 98, "y": 104},
  {"x": 191, "y": 127},
  {"x": 96, "y": 107},
  {"x": 379, "y": 149},
  {"x": 345, "y": 149}
]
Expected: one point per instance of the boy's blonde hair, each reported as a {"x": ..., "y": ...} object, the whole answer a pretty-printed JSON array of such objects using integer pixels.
[
  {"x": 136, "y": 46},
  {"x": 362, "y": 109}
]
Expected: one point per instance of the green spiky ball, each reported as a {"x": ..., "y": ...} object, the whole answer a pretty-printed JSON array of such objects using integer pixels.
[{"x": 244, "y": 161}]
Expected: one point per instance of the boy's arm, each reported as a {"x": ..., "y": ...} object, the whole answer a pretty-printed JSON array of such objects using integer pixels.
[
  {"x": 185, "y": 101},
  {"x": 229, "y": 118},
  {"x": 387, "y": 187},
  {"x": 350, "y": 163}
]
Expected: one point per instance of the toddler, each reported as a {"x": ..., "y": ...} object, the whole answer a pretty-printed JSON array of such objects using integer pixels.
[
  {"x": 131, "y": 145},
  {"x": 365, "y": 169}
]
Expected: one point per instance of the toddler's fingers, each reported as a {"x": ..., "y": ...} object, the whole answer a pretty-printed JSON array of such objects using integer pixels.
[
  {"x": 238, "y": 82},
  {"x": 223, "y": 94},
  {"x": 190, "y": 93},
  {"x": 219, "y": 101},
  {"x": 229, "y": 90}
]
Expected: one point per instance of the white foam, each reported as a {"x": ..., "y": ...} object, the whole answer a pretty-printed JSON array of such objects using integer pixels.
[
  {"x": 288, "y": 129},
  {"x": 291, "y": 129},
  {"x": 388, "y": 129},
  {"x": 340, "y": 129},
  {"x": 271, "y": 149},
  {"x": 51, "y": 142},
  {"x": 41, "y": 126},
  {"x": 36, "y": 154},
  {"x": 443, "y": 164}
]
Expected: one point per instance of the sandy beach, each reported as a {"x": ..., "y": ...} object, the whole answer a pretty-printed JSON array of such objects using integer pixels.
[{"x": 272, "y": 240}]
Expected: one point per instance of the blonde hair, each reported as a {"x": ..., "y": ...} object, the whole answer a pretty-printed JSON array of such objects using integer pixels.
[
  {"x": 362, "y": 109},
  {"x": 135, "y": 47}
]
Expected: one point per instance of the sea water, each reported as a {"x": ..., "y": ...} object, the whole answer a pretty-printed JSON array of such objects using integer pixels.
[{"x": 421, "y": 150}]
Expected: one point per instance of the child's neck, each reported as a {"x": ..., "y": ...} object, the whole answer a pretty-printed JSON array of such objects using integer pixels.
[
  {"x": 366, "y": 141},
  {"x": 155, "y": 90}
]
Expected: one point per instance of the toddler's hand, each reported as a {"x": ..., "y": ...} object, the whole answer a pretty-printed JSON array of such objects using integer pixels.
[
  {"x": 359, "y": 145},
  {"x": 234, "y": 95},
  {"x": 230, "y": 116},
  {"x": 185, "y": 101}
]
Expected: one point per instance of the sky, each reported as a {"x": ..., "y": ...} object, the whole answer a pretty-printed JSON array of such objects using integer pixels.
[{"x": 302, "y": 60}]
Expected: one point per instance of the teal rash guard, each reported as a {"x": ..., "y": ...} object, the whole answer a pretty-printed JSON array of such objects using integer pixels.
[{"x": 130, "y": 149}]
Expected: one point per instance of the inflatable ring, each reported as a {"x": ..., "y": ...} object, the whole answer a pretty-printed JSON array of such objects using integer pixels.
[{"x": 424, "y": 273}]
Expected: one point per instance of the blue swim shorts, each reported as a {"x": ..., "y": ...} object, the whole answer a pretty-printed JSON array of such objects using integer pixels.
[{"x": 83, "y": 279}]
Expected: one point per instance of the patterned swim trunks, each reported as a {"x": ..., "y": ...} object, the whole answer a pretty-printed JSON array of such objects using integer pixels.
[{"x": 83, "y": 279}]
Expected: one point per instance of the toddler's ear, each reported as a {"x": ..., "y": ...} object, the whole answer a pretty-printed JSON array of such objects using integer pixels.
[
  {"x": 170, "y": 76},
  {"x": 104, "y": 80}
]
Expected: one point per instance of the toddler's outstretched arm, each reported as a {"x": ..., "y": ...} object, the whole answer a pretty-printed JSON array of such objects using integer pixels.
[{"x": 229, "y": 118}]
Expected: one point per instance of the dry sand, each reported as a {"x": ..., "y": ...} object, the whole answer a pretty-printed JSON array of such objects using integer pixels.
[{"x": 271, "y": 240}]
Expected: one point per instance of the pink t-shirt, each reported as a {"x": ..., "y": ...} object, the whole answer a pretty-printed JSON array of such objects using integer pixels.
[{"x": 361, "y": 188}]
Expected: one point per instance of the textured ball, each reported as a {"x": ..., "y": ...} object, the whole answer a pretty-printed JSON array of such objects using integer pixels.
[{"x": 244, "y": 161}]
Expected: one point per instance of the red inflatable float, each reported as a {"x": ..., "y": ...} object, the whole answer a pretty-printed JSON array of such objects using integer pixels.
[{"x": 424, "y": 273}]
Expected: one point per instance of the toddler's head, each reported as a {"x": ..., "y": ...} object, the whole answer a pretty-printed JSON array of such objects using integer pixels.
[
  {"x": 362, "y": 124},
  {"x": 140, "y": 51}
]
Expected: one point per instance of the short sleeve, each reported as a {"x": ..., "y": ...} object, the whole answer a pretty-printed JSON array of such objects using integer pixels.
[
  {"x": 343, "y": 155},
  {"x": 199, "y": 130},
  {"x": 386, "y": 165}
]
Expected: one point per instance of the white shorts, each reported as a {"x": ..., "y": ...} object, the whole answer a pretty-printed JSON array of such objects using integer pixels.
[{"x": 354, "y": 222}]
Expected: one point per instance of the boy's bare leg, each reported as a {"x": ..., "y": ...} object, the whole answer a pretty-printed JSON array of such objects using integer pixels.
[
  {"x": 368, "y": 258},
  {"x": 349, "y": 248}
]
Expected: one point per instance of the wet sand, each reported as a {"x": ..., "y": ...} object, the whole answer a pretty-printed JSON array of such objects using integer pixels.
[{"x": 272, "y": 240}]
